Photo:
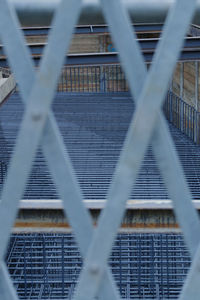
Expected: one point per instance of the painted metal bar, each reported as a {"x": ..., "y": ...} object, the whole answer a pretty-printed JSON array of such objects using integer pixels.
[
  {"x": 137, "y": 140},
  {"x": 191, "y": 286},
  {"x": 94, "y": 29},
  {"x": 74, "y": 205},
  {"x": 104, "y": 58},
  {"x": 163, "y": 147},
  {"x": 190, "y": 52},
  {"x": 190, "y": 44},
  {"x": 7, "y": 289},
  {"x": 39, "y": 13},
  {"x": 36, "y": 114},
  {"x": 141, "y": 143}
]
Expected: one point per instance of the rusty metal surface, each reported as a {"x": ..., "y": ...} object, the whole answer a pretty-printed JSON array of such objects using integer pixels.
[{"x": 54, "y": 220}]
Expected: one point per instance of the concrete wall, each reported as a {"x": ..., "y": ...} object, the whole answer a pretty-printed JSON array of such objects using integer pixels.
[
  {"x": 87, "y": 43},
  {"x": 186, "y": 83},
  {"x": 81, "y": 43},
  {"x": 6, "y": 87}
]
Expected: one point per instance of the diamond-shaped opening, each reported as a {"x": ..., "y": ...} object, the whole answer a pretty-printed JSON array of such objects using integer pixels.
[
  {"x": 89, "y": 124},
  {"x": 40, "y": 185},
  {"x": 47, "y": 266},
  {"x": 10, "y": 121}
]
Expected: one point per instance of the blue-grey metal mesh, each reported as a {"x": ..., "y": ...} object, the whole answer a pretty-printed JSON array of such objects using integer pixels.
[
  {"x": 47, "y": 266},
  {"x": 94, "y": 127}
]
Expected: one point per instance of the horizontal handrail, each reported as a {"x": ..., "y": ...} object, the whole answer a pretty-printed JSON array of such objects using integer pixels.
[{"x": 38, "y": 12}]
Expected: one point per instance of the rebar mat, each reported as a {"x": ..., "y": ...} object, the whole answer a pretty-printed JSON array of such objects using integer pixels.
[
  {"x": 144, "y": 265},
  {"x": 94, "y": 128}
]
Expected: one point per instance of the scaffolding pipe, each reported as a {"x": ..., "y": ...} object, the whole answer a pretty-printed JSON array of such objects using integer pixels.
[{"x": 40, "y": 12}]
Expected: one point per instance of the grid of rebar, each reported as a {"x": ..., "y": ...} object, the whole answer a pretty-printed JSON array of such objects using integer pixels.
[
  {"x": 94, "y": 128},
  {"x": 144, "y": 265},
  {"x": 111, "y": 78}
]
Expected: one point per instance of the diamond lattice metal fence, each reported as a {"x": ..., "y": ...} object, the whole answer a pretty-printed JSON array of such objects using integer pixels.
[{"x": 39, "y": 127}]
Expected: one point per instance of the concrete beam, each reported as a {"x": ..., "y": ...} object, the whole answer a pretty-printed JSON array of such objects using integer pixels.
[
  {"x": 7, "y": 85},
  {"x": 141, "y": 215}
]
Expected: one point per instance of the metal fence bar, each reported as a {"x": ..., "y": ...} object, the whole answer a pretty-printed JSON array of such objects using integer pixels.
[
  {"x": 136, "y": 140},
  {"x": 177, "y": 111},
  {"x": 35, "y": 110},
  {"x": 143, "y": 11},
  {"x": 6, "y": 287},
  {"x": 135, "y": 261},
  {"x": 39, "y": 125},
  {"x": 60, "y": 161}
]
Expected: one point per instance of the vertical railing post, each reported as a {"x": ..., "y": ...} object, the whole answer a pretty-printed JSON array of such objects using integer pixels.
[
  {"x": 197, "y": 129},
  {"x": 181, "y": 95},
  {"x": 101, "y": 77},
  {"x": 196, "y": 84}
]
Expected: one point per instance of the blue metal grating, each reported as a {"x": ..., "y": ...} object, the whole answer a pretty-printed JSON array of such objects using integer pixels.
[
  {"x": 47, "y": 266},
  {"x": 94, "y": 127}
]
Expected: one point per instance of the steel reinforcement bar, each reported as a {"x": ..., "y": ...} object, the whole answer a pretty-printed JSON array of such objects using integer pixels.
[
  {"x": 83, "y": 127},
  {"x": 145, "y": 266}
]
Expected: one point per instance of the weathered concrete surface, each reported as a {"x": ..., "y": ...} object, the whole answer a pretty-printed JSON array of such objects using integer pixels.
[
  {"x": 186, "y": 83},
  {"x": 6, "y": 86}
]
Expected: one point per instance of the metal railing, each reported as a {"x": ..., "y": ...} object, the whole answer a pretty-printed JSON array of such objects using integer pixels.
[
  {"x": 111, "y": 78},
  {"x": 183, "y": 116},
  {"x": 98, "y": 78}
]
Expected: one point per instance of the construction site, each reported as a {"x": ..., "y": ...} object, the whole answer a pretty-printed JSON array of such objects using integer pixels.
[{"x": 90, "y": 117}]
